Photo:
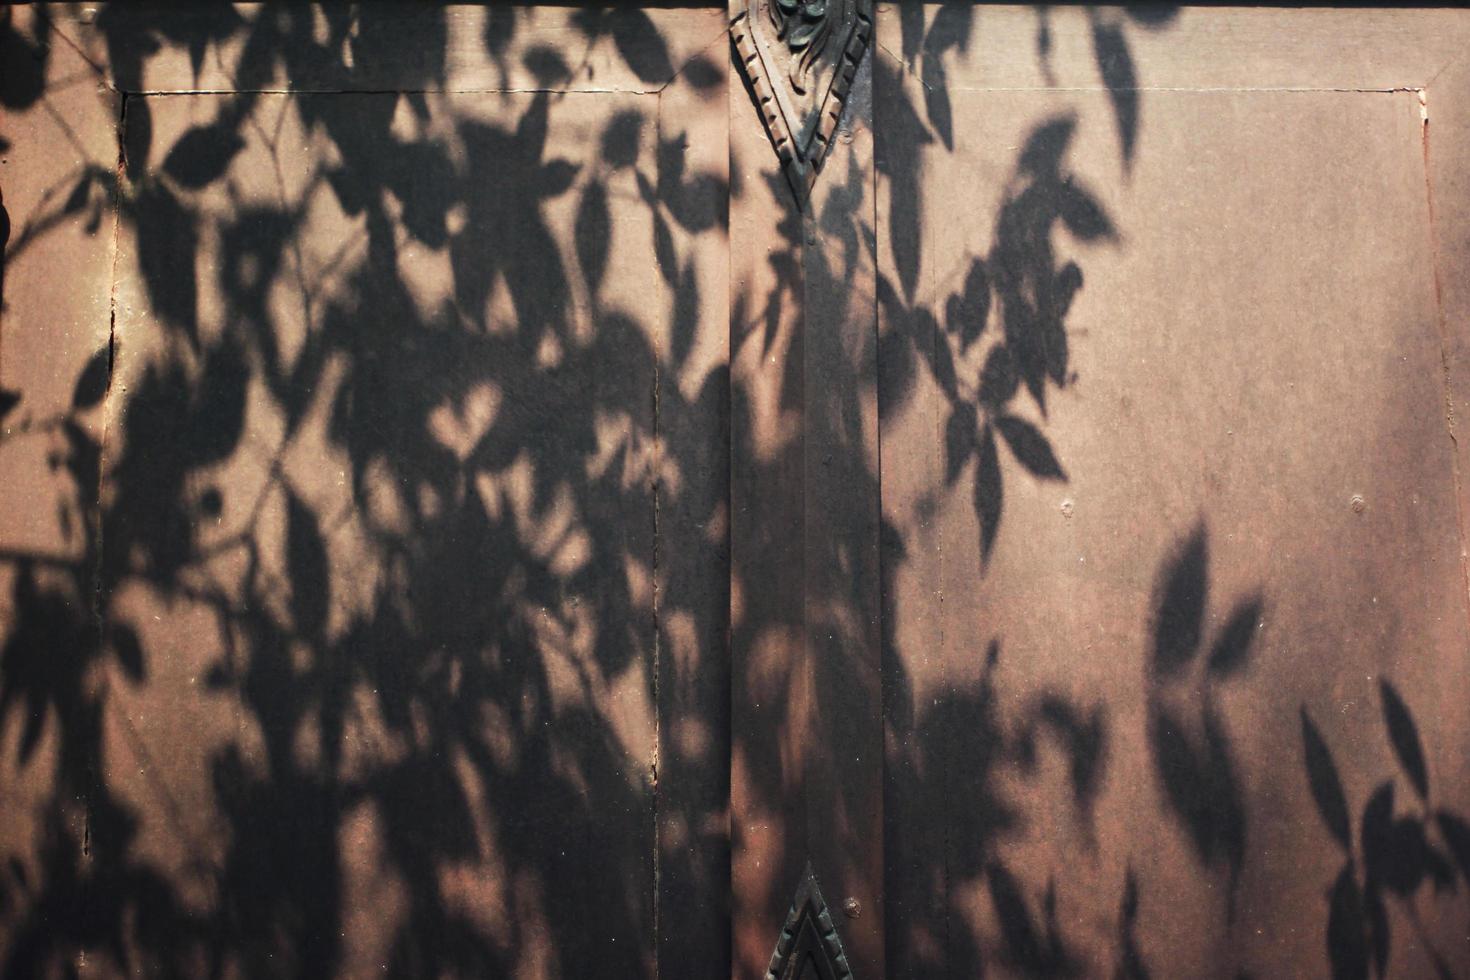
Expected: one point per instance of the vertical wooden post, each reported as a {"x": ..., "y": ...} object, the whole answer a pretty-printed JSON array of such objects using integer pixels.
[
  {"x": 767, "y": 778},
  {"x": 807, "y": 750},
  {"x": 841, "y": 507}
]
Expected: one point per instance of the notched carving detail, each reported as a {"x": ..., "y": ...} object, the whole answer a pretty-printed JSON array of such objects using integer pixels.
[
  {"x": 809, "y": 947},
  {"x": 800, "y": 58}
]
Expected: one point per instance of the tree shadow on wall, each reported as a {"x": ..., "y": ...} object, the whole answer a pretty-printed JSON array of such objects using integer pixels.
[
  {"x": 1394, "y": 857},
  {"x": 1030, "y": 286},
  {"x": 997, "y": 348},
  {"x": 997, "y": 342},
  {"x": 949, "y": 794},
  {"x": 963, "y": 751},
  {"x": 467, "y": 704},
  {"x": 952, "y": 787},
  {"x": 1196, "y": 765},
  {"x": 428, "y": 669},
  {"x": 1021, "y": 283}
]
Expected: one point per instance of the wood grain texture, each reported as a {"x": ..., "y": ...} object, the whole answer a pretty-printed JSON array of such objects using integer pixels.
[
  {"x": 1447, "y": 143},
  {"x": 1446, "y": 111}
]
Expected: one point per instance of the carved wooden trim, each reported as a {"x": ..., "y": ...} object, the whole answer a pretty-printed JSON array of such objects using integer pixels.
[
  {"x": 800, "y": 58},
  {"x": 809, "y": 947}
]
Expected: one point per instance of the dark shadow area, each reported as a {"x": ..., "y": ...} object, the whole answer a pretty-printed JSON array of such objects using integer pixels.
[
  {"x": 1192, "y": 753},
  {"x": 950, "y": 779},
  {"x": 1410, "y": 858},
  {"x": 467, "y": 703}
]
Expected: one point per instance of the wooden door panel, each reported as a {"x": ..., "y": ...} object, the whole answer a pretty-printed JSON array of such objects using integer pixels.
[
  {"x": 407, "y": 566},
  {"x": 1173, "y": 502},
  {"x": 466, "y": 509},
  {"x": 473, "y": 699}
]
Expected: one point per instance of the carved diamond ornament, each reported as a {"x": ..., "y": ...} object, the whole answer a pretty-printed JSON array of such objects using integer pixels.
[
  {"x": 809, "y": 948},
  {"x": 800, "y": 58}
]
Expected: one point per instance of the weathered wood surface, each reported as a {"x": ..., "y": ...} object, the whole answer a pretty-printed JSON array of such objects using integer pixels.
[
  {"x": 1242, "y": 47},
  {"x": 1197, "y": 520},
  {"x": 523, "y": 541},
  {"x": 807, "y": 723},
  {"x": 770, "y": 687},
  {"x": 395, "y": 638},
  {"x": 1446, "y": 108}
]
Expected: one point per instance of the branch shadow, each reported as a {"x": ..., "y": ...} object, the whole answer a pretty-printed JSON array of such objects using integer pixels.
[{"x": 434, "y": 661}]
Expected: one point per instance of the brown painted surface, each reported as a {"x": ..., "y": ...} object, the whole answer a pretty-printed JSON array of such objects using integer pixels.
[
  {"x": 1191, "y": 371},
  {"x": 807, "y": 721},
  {"x": 770, "y": 688},
  {"x": 57, "y": 185},
  {"x": 693, "y": 533},
  {"x": 392, "y": 673},
  {"x": 461, "y": 517}
]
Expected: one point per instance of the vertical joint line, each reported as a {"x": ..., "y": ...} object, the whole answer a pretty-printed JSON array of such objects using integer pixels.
[
  {"x": 1444, "y": 350},
  {"x": 655, "y": 484}
]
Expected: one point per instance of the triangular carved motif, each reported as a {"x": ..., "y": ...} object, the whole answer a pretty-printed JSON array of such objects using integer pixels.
[
  {"x": 809, "y": 947},
  {"x": 800, "y": 58}
]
